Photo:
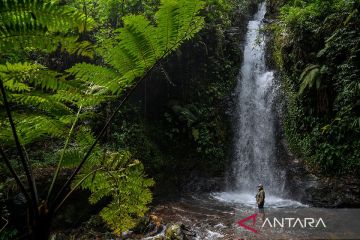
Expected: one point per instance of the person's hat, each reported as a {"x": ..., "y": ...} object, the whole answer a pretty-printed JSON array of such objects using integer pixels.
[{"x": 260, "y": 185}]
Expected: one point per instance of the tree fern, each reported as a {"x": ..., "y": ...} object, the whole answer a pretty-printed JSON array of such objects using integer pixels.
[{"x": 116, "y": 175}]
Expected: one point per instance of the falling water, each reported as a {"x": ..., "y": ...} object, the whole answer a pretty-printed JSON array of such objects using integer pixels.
[{"x": 254, "y": 148}]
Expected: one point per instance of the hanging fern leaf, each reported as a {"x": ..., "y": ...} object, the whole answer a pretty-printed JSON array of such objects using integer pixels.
[
  {"x": 122, "y": 178},
  {"x": 71, "y": 156},
  {"x": 46, "y": 99},
  {"x": 16, "y": 75},
  {"x": 310, "y": 77},
  {"x": 79, "y": 99},
  {"x": 41, "y": 102},
  {"x": 18, "y": 71}
]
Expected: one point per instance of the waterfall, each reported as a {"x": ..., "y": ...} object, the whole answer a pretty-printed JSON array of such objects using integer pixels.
[{"x": 254, "y": 143}]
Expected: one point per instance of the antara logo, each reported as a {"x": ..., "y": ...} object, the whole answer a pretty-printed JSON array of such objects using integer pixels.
[
  {"x": 253, "y": 218},
  {"x": 282, "y": 222}
]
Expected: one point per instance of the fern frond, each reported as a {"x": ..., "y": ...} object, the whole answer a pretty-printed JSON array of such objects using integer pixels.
[
  {"x": 18, "y": 71},
  {"x": 51, "y": 80},
  {"x": 41, "y": 102},
  {"x": 177, "y": 21},
  {"x": 24, "y": 22},
  {"x": 190, "y": 23},
  {"x": 16, "y": 75},
  {"x": 79, "y": 99},
  {"x": 309, "y": 77},
  {"x": 13, "y": 85},
  {"x": 33, "y": 127},
  {"x": 122, "y": 178},
  {"x": 167, "y": 24},
  {"x": 93, "y": 74},
  {"x": 141, "y": 44},
  {"x": 71, "y": 157},
  {"x": 69, "y": 119},
  {"x": 138, "y": 39}
]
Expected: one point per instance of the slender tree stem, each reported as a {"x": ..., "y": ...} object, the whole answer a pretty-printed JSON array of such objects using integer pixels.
[
  {"x": 75, "y": 187},
  {"x": 6, "y": 223},
  {"x": 15, "y": 176},
  {"x": 62, "y": 154},
  {"x": 25, "y": 163}
]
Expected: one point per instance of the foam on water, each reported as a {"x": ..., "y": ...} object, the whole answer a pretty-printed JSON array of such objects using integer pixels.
[{"x": 248, "y": 200}]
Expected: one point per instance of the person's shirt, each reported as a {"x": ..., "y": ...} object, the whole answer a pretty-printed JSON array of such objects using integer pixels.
[{"x": 260, "y": 196}]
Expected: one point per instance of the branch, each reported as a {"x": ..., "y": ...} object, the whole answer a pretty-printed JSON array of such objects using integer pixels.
[
  {"x": 7, "y": 222},
  {"x": 25, "y": 163}
]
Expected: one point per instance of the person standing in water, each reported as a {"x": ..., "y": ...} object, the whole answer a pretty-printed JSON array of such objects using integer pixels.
[{"x": 260, "y": 196}]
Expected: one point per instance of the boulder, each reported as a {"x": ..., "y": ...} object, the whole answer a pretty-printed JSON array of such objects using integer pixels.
[{"x": 173, "y": 232}]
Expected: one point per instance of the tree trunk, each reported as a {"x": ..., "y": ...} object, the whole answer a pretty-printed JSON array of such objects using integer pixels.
[{"x": 40, "y": 226}]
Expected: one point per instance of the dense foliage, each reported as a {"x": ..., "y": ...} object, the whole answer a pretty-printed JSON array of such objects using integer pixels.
[
  {"x": 317, "y": 51},
  {"x": 53, "y": 110}
]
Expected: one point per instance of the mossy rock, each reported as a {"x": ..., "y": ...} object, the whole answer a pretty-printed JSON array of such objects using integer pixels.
[{"x": 173, "y": 232}]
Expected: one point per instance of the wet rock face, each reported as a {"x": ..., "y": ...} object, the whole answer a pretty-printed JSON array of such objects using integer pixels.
[
  {"x": 321, "y": 191},
  {"x": 330, "y": 192},
  {"x": 202, "y": 184},
  {"x": 336, "y": 193}
]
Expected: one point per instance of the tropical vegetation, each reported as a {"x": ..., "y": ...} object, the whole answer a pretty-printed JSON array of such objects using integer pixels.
[
  {"x": 317, "y": 51},
  {"x": 106, "y": 105}
]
